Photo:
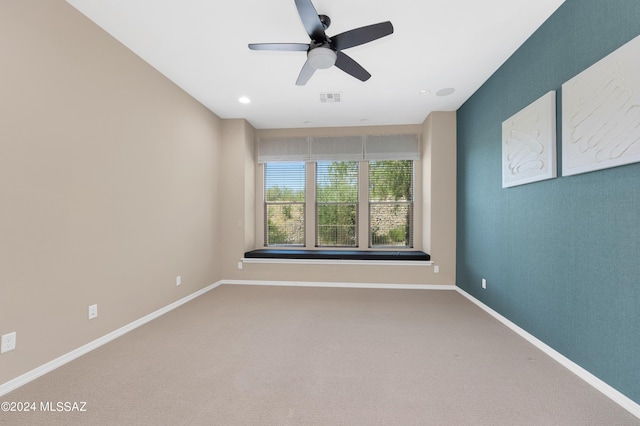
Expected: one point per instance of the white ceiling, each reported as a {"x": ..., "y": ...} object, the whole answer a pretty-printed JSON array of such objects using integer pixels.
[{"x": 201, "y": 45}]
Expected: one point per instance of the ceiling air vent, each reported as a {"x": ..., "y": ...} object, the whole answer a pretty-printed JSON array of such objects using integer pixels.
[{"x": 330, "y": 98}]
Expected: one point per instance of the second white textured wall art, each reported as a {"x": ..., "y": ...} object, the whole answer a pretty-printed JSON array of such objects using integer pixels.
[
  {"x": 601, "y": 113},
  {"x": 529, "y": 143}
]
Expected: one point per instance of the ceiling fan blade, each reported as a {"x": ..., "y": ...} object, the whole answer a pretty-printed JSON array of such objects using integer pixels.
[
  {"x": 311, "y": 20},
  {"x": 361, "y": 35},
  {"x": 279, "y": 46},
  {"x": 351, "y": 67},
  {"x": 305, "y": 74}
]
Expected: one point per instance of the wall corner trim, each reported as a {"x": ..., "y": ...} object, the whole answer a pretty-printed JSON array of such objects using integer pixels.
[{"x": 606, "y": 389}]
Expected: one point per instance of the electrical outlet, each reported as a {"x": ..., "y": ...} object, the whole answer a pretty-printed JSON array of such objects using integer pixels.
[
  {"x": 240, "y": 265},
  {"x": 8, "y": 342},
  {"x": 436, "y": 269},
  {"x": 178, "y": 280},
  {"x": 484, "y": 284},
  {"x": 93, "y": 311}
]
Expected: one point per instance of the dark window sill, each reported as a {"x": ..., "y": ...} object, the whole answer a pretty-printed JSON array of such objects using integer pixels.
[{"x": 330, "y": 256}]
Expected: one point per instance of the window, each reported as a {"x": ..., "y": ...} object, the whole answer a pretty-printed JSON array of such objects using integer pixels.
[
  {"x": 391, "y": 203},
  {"x": 345, "y": 191},
  {"x": 384, "y": 189},
  {"x": 284, "y": 204},
  {"x": 337, "y": 204}
]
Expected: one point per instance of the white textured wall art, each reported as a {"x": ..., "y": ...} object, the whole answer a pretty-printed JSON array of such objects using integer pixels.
[
  {"x": 601, "y": 113},
  {"x": 529, "y": 143}
]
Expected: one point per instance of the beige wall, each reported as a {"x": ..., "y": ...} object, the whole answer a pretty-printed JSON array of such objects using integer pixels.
[
  {"x": 236, "y": 193},
  {"x": 437, "y": 227},
  {"x": 113, "y": 181},
  {"x": 249, "y": 188},
  {"x": 439, "y": 192},
  {"x": 108, "y": 185}
]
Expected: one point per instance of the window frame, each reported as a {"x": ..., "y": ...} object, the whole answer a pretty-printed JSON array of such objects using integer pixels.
[
  {"x": 410, "y": 207},
  {"x": 363, "y": 210},
  {"x": 266, "y": 203},
  {"x": 355, "y": 204}
]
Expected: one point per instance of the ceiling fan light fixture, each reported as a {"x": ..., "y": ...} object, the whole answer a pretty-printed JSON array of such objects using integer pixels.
[{"x": 321, "y": 58}]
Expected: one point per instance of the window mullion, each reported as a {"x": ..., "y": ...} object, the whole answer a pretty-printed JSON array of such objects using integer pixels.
[
  {"x": 310, "y": 210},
  {"x": 363, "y": 206}
]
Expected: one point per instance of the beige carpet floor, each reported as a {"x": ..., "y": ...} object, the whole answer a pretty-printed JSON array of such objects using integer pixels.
[{"x": 252, "y": 355}]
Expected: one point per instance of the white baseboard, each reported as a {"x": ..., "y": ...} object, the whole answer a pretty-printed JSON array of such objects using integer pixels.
[
  {"x": 60, "y": 361},
  {"x": 598, "y": 384},
  {"x": 340, "y": 285},
  {"x": 617, "y": 397}
]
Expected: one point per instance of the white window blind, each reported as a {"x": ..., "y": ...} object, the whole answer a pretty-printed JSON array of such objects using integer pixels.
[
  {"x": 340, "y": 148},
  {"x": 283, "y": 149},
  {"x": 392, "y": 147},
  {"x": 343, "y": 148}
]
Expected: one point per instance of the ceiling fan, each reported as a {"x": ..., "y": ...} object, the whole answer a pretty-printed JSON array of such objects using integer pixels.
[{"x": 323, "y": 51}]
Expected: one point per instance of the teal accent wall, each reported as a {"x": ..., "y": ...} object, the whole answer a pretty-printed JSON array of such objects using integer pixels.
[{"x": 562, "y": 256}]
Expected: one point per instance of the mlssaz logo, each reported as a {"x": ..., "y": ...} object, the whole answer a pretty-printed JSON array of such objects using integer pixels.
[{"x": 63, "y": 406}]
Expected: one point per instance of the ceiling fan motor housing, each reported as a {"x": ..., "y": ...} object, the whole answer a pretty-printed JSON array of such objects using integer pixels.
[
  {"x": 321, "y": 57},
  {"x": 325, "y": 20}
]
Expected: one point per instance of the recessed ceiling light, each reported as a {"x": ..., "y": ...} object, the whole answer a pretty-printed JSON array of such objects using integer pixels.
[
  {"x": 364, "y": 120},
  {"x": 244, "y": 100},
  {"x": 308, "y": 122},
  {"x": 445, "y": 92},
  {"x": 424, "y": 92}
]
